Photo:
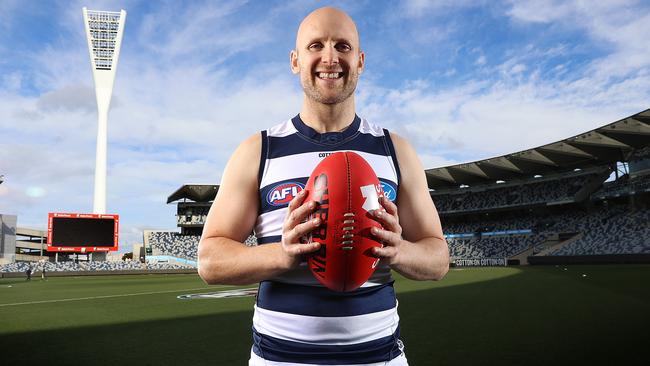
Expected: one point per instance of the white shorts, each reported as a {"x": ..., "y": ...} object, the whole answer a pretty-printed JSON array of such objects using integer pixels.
[{"x": 256, "y": 360}]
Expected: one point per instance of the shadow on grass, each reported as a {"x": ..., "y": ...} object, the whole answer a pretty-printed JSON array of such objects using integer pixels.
[
  {"x": 537, "y": 317},
  {"x": 222, "y": 339}
]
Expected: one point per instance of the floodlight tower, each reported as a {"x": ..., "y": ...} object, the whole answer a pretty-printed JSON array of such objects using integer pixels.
[{"x": 104, "y": 31}]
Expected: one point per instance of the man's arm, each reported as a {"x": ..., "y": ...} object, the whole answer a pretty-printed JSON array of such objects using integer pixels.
[
  {"x": 414, "y": 244},
  {"x": 222, "y": 256}
]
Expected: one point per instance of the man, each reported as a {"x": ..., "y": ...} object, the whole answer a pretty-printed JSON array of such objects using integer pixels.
[{"x": 296, "y": 320}]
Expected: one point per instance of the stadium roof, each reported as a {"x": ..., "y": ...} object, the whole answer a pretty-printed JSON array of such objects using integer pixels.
[
  {"x": 195, "y": 192},
  {"x": 605, "y": 145}
]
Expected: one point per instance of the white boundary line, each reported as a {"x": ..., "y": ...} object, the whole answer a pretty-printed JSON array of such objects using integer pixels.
[{"x": 109, "y": 296}]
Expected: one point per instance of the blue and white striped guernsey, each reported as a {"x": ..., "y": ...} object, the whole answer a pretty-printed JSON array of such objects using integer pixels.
[{"x": 297, "y": 320}]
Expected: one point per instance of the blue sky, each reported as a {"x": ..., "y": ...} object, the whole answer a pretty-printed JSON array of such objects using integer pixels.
[{"x": 462, "y": 80}]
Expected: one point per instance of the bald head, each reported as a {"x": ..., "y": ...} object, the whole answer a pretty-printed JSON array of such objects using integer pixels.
[
  {"x": 327, "y": 20},
  {"x": 327, "y": 57}
]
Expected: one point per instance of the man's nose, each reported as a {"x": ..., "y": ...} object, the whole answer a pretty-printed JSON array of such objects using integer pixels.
[{"x": 330, "y": 56}]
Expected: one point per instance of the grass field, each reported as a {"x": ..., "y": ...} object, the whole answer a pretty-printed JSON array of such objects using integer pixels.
[{"x": 574, "y": 315}]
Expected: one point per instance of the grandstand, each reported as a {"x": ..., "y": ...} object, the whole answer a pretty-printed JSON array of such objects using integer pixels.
[
  {"x": 192, "y": 205},
  {"x": 587, "y": 196},
  {"x": 95, "y": 266},
  {"x": 193, "y": 202}
]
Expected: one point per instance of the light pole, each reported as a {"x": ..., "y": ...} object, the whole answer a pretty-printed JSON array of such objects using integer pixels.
[{"x": 104, "y": 31}]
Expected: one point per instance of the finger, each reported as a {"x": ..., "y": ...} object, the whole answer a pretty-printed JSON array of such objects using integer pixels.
[
  {"x": 387, "y": 237},
  {"x": 300, "y": 230},
  {"x": 388, "y": 221},
  {"x": 390, "y": 207},
  {"x": 385, "y": 252},
  {"x": 297, "y": 201},
  {"x": 300, "y": 249},
  {"x": 300, "y": 214}
]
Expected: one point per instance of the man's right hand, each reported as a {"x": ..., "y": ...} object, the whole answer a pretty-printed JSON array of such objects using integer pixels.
[{"x": 296, "y": 226}]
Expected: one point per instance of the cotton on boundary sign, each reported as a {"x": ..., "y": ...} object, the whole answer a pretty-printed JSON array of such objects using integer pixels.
[{"x": 82, "y": 233}]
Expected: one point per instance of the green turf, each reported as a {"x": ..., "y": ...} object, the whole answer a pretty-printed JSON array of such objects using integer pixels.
[{"x": 481, "y": 316}]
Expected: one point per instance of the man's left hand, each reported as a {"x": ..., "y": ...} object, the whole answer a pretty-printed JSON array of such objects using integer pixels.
[{"x": 390, "y": 235}]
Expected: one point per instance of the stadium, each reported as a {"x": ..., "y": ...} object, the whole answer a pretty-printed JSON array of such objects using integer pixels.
[
  {"x": 550, "y": 250},
  {"x": 549, "y": 246}
]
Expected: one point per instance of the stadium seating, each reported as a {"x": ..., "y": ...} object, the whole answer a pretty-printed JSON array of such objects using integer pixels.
[
  {"x": 640, "y": 154},
  {"x": 623, "y": 186},
  {"x": 15, "y": 267},
  {"x": 490, "y": 224},
  {"x": 612, "y": 231},
  {"x": 605, "y": 229},
  {"x": 70, "y": 266},
  {"x": 194, "y": 216},
  {"x": 512, "y": 196},
  {"x": 174, "y": 244},
  {"x": 165, "y": 243},
  {"x": 180, "y": 246},
  {"x": 491, "y": 247}
]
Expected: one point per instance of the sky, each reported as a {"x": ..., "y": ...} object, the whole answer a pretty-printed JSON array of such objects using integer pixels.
[{"x": 461, "y": 80}]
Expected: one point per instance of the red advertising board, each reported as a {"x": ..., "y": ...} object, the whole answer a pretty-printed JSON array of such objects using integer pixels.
[{"x": 82, "y": 233}]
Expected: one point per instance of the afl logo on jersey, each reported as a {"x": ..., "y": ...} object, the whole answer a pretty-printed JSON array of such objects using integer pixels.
[
  {"x": 389, "y": 191},
  {"x": 283, "y": 193}
]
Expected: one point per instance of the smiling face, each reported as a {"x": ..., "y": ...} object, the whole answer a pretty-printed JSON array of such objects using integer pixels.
[{"x": 327, "y": 56}]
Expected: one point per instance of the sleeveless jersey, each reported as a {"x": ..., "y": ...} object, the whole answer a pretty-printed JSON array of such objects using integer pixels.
[{"x": 296, "y": 319}]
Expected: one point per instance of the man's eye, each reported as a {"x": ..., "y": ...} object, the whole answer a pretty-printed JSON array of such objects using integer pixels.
[
  {"x": 315, "y": 46},
  {"x": 343, "y": 47}
]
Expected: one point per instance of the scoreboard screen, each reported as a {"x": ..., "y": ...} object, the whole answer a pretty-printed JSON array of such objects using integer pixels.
[{"x": 73, "y": 232}]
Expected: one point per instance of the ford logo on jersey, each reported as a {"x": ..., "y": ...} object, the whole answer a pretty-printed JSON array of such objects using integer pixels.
[
  {"x": 389, "y": 191},
  {"x": 283, "y": 193}
]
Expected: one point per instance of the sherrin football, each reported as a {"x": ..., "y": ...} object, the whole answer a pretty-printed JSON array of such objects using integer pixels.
[{"x": 347, "y": 190}]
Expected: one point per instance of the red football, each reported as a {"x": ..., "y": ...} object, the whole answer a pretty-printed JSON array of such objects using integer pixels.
[{"x": 347, "y": 189}]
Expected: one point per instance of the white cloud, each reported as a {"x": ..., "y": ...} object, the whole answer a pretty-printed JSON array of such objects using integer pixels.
[
  {"x": 175, "y": 32},
  {"x": 485, "y": 119},
  {"x": 517, "y": 69},
  {"x": 69, "y": 97},
  {"x": 541, "y": 11},
  {"x": 422, "y": 8},
  {"x": 621, "y": 25}
]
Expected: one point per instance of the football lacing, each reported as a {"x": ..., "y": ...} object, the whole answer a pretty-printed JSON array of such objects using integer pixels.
[{"x": 348, "y": 235}]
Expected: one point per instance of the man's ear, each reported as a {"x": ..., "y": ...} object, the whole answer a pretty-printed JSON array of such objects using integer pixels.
[
  {"x": 293, "y": 59},
  {"x": 362, "y": 62}
]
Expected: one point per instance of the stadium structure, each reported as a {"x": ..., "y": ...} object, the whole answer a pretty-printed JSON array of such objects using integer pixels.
[
  {"x": 580, "y": 200},
  {"x": 104, "y": 30},
  {"x": 584, "y": 199},
  {"x": 193, "y": 203}
]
